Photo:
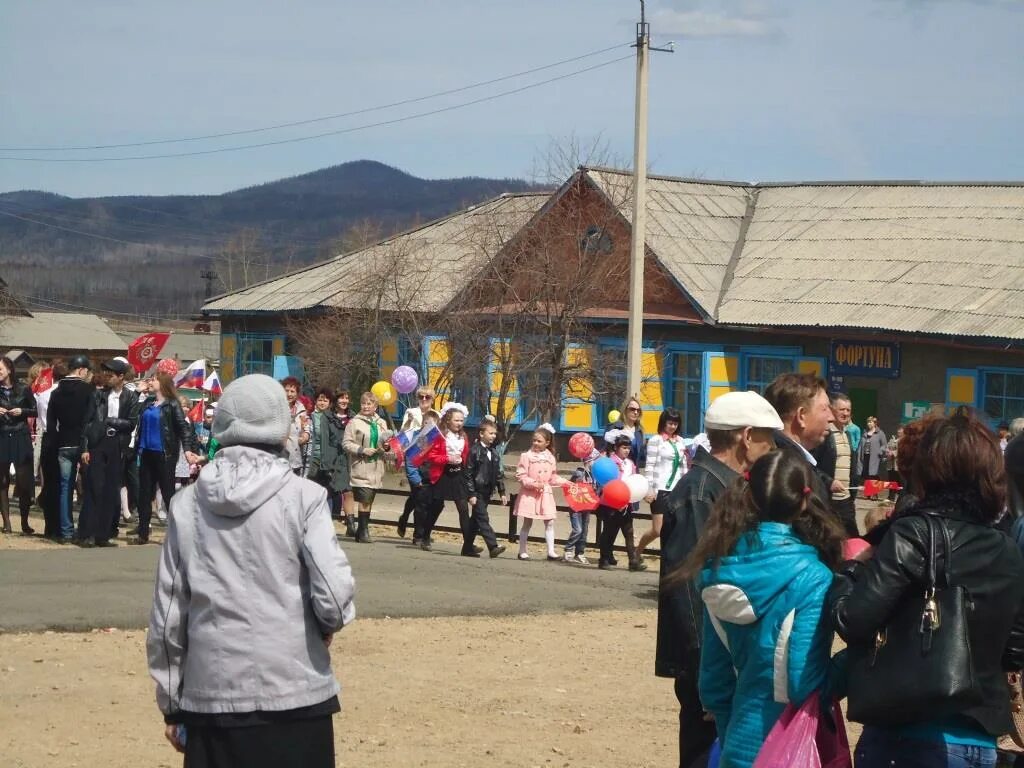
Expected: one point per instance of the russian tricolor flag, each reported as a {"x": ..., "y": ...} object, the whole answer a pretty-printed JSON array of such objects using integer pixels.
[
  {"x": 193, "y": 376},
  {"x": 212, "y": 384}
]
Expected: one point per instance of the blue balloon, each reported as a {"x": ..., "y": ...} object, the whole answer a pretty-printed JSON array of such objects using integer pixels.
[{"x": 604, "y": 471}]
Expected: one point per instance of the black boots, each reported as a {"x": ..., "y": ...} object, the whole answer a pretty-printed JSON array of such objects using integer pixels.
[
  {"x": 363, "y": 532},
  {"x": 636, "y": 563},
  {"x": 26, "y": 529},
  {"x": 350, "y": 528}
]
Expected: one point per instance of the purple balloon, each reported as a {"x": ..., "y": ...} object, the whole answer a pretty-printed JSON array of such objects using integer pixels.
[{"x": 405, "y": 379}]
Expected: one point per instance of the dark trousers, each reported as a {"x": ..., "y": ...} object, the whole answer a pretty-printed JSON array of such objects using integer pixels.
[
  {"x": 102, "y": 479},
  {"x": 155, "y": 470},
  {"x": 410, "y": 505},
  {"x": 847, "y": 512},
  {"x": 50, "y": 474},
  {"x": 428, "y": 509},
  {"x": 893, "y": 477},
  {"x": 290, "y": 744},
  {"x": 612, "y": 522},
  {"x": 696, "y": 735},
  {"x": 131, "y": 476},
  {"x": 480, "y": 522}
]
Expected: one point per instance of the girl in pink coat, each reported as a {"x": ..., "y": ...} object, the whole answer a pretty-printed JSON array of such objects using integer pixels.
[{"x": 536, "y": 501}]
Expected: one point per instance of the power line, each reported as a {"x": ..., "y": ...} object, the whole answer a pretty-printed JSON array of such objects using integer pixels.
[
  {"x": 338, "y": 132},
  {"x": 44, "y": 303},
  {"x": 171, "y": 251},
  {"x": 203, "y": 238},
  {"x": 323, "y": 118}
]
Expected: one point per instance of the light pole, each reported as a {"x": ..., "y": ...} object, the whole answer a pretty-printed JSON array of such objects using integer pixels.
[{"x": 635, "y": 330}]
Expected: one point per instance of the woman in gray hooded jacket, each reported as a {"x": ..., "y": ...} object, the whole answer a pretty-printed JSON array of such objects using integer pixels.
[{"x": 251, "y": 587}]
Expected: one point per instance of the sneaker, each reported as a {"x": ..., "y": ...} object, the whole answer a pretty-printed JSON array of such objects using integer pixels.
[
  {"x": 605, "y": 565},
  {"x": 555, "y": 558},
  {"x": 524, "y": 556},
  {"x": 581, "y": 559},
  {"x": 161, "y": 515},
  {"x": 497, "y": 550},
  {"x": 567, "y": 557}
]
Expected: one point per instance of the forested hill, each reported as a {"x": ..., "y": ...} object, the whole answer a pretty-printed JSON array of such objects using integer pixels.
[{"x": 149, "y": 251}]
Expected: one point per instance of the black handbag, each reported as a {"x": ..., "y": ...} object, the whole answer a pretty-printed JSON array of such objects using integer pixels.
[{"x": 920, "y": 667}]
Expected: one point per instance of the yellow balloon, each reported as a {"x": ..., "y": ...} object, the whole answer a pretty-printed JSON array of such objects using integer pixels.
[
  {"x": 385, "y": 392},
  {"x": 614, "y": 416}
]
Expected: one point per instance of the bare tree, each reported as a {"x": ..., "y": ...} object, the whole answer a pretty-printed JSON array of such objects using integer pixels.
[{"x": 243, "y": 261}]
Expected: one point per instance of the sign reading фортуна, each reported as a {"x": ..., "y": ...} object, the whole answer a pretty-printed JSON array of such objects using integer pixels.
[{"x": 878, "y": 359}]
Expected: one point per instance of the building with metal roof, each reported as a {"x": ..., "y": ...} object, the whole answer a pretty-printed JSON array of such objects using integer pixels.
[{"x": 906, "y": 294}]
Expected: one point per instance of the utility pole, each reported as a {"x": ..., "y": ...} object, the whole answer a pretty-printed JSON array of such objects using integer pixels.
[
  {"x": 635, "y": 332},
  {"x": 209, "y": 276}
]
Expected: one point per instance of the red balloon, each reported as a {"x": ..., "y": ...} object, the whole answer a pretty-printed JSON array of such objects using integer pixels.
[
  {"x": 615, "y": 494},
  {"x": 580, "y": 445}
]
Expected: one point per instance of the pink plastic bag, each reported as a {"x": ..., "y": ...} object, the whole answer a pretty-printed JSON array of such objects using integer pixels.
[{"x": 803, "y": 739}]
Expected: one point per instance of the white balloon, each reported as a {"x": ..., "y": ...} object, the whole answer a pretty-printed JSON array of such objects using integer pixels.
[{"x": 638, "y": 487}]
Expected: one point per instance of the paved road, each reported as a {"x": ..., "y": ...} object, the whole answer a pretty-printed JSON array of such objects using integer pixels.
[{"x": 75, "y": 589}]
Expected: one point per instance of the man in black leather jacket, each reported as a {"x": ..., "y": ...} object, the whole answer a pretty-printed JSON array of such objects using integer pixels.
[
  {"x": 740, "y": 428},
  {"x": 117, "y": 414},
  {"x": 957, "y": 473}
]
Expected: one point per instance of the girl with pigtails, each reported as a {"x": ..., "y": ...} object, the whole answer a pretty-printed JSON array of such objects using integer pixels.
[{"x": 764, "y": 567}]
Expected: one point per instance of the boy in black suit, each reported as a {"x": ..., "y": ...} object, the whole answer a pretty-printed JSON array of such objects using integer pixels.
[{"x": 484, "y": 476}]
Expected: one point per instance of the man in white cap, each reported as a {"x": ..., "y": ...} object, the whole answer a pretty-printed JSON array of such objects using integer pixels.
[{"x": 741, "y": 429}]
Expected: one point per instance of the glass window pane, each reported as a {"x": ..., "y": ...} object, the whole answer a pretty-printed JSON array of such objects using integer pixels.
[
  {"x": 994, "y": 407},
  {"x": 995, "y": 384},
  {"x": 1014, "y": 384}
]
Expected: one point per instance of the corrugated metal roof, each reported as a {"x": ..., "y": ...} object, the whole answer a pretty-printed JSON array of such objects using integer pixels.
[
  {"x": 904, "y": 256},
  {"x": 59, "y": 331},
  {"x": 937, "y": 259},
  {"x": 692, "y": 226},
  {"x": 420, "y": 263}
]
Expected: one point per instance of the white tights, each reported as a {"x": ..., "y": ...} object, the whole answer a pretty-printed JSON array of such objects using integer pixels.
[{"x": 549, "y": 535}]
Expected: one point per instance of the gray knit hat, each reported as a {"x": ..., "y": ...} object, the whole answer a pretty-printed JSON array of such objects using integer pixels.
[{"x": 253, "y": 409}]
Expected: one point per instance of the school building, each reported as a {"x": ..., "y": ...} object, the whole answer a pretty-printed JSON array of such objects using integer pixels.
[{"x": 909, "y": 296}]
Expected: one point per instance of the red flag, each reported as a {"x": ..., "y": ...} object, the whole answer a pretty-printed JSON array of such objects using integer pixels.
[
  {"x": 144, "y": 351},
  {"x": 44, "y": 381},
  {"x": 581, "y": 497},
  {"x": 196, "y": 414},
  {"x": 875, "y": 487}
]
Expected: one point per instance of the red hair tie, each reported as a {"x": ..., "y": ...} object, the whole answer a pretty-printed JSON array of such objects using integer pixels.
[
  {"x": 807, "y": 490},
  {"x": 746, "y": 476}
]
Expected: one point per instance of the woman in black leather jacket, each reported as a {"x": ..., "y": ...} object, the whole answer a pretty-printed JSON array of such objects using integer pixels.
[
  {"x": 16, "y": 406},
  {"x": 959, "y": 476},
  {"x": 162, "y": 429}
]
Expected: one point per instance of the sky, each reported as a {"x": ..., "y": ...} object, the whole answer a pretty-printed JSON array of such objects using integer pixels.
[{"x": 756, "y": 90}]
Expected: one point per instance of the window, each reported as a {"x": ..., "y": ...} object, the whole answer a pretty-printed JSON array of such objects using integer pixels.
[
  {"x": 610, "y": 383},
  {"x": 762, "y": 370},
  {"x": 596, "y": 240},
  {"x": 1004, "y": 394},
  {"x": 255, "y": 354},
  {"x": 685, "y": 387}
]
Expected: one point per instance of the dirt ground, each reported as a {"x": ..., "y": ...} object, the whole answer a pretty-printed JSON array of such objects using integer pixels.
[{"x": 549, "y": 690}]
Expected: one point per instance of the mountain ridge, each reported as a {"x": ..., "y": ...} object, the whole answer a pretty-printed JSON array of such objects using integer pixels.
[{"x": 115, "y": 246}]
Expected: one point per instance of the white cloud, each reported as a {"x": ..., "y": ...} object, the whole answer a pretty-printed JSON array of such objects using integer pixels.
[{"x": 715, "y": 18}]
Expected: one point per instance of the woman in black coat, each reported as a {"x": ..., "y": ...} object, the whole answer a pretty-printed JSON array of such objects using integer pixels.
[
  {"x": 959, "y": 476},
  {"x": 163, "y": 432},
  {"x": 17, "y": 405}
]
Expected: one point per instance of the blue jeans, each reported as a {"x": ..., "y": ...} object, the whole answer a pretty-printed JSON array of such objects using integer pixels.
[
  {"x": 67, "y": 462},
  {"x": 577, "y": 542},
  {"x": 880, "y": 748}
]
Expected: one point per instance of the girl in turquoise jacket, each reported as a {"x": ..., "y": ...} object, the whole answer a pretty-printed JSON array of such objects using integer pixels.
[{"x": 765, "y": 567}]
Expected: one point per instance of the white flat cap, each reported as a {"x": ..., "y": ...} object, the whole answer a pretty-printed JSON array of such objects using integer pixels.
[{"x": 736, "y": 410}]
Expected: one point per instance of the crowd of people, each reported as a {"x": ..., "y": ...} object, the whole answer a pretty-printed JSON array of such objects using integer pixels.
[{"x": 765, "y": 561}]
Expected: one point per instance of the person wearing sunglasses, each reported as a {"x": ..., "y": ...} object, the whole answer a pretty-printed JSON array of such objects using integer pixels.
[
  {"x": 630, "y": 425},
  {"x": 413, "y": 421}
]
